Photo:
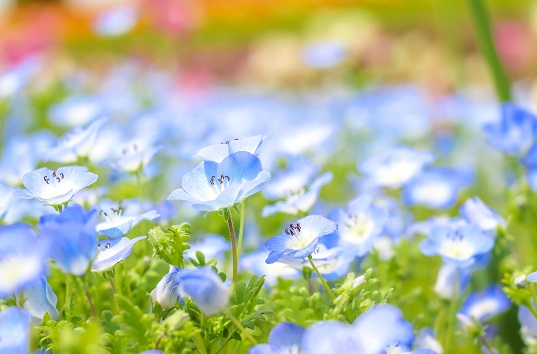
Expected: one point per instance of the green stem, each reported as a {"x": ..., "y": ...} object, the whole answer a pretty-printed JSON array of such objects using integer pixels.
[
  {"x": 451, "y": 313},
  {"x": 325, "y": 284},
  {"x": 67, "y": 291},
  {"x": 241, "y": 230},
  {"x": 234, "y": 254},
  {"x": 199, "y": 343},
  {"x": 481, "y": 21},
  {"x": 92, "y": 306},
  {"x": 239, "y": 325}
]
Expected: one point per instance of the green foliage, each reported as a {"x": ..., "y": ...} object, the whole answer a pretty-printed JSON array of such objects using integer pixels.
[{"x": 171, "y": 245}]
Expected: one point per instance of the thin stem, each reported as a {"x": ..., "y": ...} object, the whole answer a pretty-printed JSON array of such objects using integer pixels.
[
  {"x": 323, "y": 281},
  {"x": 486, "y": 344},
  {"x": 233, "y": 250},
  {"x": 481, "y": 21},
  {"x": 199, "y": 343},
  {"x": 92, "y": 306},
  {"x": 239, "y": 325},
  {"x": 112, "y": 283},
  {"x": 451, "y": 313},
  {"x": 67, "y": 290},
  {"x": 241, "y": 230}
]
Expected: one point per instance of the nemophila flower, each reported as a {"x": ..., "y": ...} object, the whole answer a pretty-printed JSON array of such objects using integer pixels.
[
  {"x": 14, "y": 331},
  {"x": 6, "y": 199},
  {"x": 40, "y": 299},
  {"x": 212, "y": 247},
  {"x": 55, "y": 187},
  {"x": 515, "y": 132},
  {"x": 75, "y": 144},
  {"x": 116, "y": 22},
  {"x": 218, "y": 152},
  {"x": 359, "y": 224},
  {"x": 285, "y": 337},
  {"x": 295, "y": 177},
  {"x": 212, "y": 186},
  {"x": 478, "y": 213},
  {"x": 254, "y": 262},
  {"x": 77, "y": 110},
  {"x": 17, "y": 77},
  {"x": 425, "y": 227},
  {"x": 135, "y": 157},
  {"x": 426, "y": 339},
  {"x": 483, "y": 305},
  {"x": 445, "y": 285},
  {"x": 528, "y": 324},
  {"x": 202, "y": 285},
  {"x": 459, "y": 246},
  {"x": 300, "y": 239},
  {"x": 112, "y": 251},
  {"x": 300, "y": 201},
  {"x": 118, "y": 221},
  {"x": 395, "y": 167},
  {"x": 436, "y": 187},
  {"x": 23, "y": 259},
  {"x": 73, "y": 237}
]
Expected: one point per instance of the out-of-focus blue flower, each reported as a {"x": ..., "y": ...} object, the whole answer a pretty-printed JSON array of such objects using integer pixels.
[
  {"x": 331, "y": 337},
  {"x": 530, "y": 162},
  {"x": 426, "y": 227},
  {"x": 73, "y": 236},
  {"x": 212, "y": 246},
  {"x": 6, "y": 199},
  {"x": 445, "y": 285},
  {"x": 55, "y": 187},
  {"x": 300, "y": 239},
  {"x": 395, "y": 167},
  {"x": 323, "y": 55},
  {"x": 15, "y": 79},
  {"x": 483, "y": 305},
  {"x": 293, "y": 179},
  {"x": 532, "y": 277},
  {"x": 116, "y": 22},
  {"x": 436, "y": 187},
  {"x": 426, "y": 339},
  {"x": 478, "y": 213},
  {"x": 254, "y": 262},
  {"x": 39, "y": 299},
  {"x": 202, "y": 285},
  {"x": 359, "y": 224},
  {"x": 528, "y": 323},
  {"x": 459, "y": 246},
  {"x": 14, "y": 331},
  {"x": 302, "y": 200},
  {"x": 515, "y": 132},
  {"x": 76, "y": 111},
  {"x": 285, "y": 337},
  {"x": 119, "y": 221},
  {"x": 23, "y": 259},
  {"x": 213, "y": 186},
  {"x": 134, "y": 158},
  {"x": 75, "y": 144},
  {"x": 112, "y": 251},
  {"x": 218, "y": 152}
]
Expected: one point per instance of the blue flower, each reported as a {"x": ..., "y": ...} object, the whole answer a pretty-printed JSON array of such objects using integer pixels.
[
  {"x": 23, "y": 259},
  {"x": 39, "y": 299},
  {"x": 532, "y": 277},
  {"x": 55, "y": 187},
  {"x": 202, "y": 285},
  {"x": 212, "y": 246},
  {"x": 213, "y": 186},
  {"x": 483, "y": 305},
  {"x": 77, "y": 110},
  {"x": 359, "y": 224},
  {"x": 14, "y": 331},
  {"x": 530, "y": 162},
  {"x": 285, "y": 337},
  {"x": 395, "y": 167},
  {"x": 301, "y": 201},
  {"x": 445, "y": 285},
  {"x": 515, "y": 132},
  {"x": 112, "y": 251},
  {"x": 6, "y": 199},
  {"x": 134, "y": 158},
  {"x": 436, "y": 188},
  {"x": 479, "y": 214},
  {"x": 116, "y": 22},
  {"x": 294, "y": 178},
  {"x": 119, "y": 221},
  {"x": 73, "y": 236},
  {"x": 528, "y": 323},
  {"x": 300, "y": 239},
  {"x": 426, "y": 339},
  {"x": 459, "y": 246},
  {"x": 254, "y": 263},
  {"x": 218, "y": 152}
]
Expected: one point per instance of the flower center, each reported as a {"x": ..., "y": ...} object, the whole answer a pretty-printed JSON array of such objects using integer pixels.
[
  {"x": 56, "y": 178},
  {"x": 113, "y": 215},
  {"x": 358, "y": 227},
  {"x": 220, "y": 183}
]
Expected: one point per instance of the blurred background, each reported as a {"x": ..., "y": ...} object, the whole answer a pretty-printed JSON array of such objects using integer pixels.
[{"x": 290, "y": 45}]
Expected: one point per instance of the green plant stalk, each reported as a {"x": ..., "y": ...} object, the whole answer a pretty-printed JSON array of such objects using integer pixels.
[
  {"x": 481, "y": 22},
  {"x": 234, "y": 255},
  {"x": 241, "y": 230},
  {"x": 323, "y": 281},
  {"x": 199, "y": 343},
  {"x": 452, "y": 312},
  {"x": 239, "y": 325}
]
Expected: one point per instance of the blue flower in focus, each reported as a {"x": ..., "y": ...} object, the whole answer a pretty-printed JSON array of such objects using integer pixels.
[
  {"x": 212, "y": 186},
  {"x": 395, "y": 167},
  {"x": 479, "y": 214},
  {"x": 285, "y": 337},
  {"x": 55, "y": 187},
  {"x": 118, "y": 220},
  {"x": 39, "y": 300},
  {"x": 359, "y": 224},
  {"x": 73, "y": 236},
  {"x": 515, "y": 132},
  {"x": 14, "y": 331},
  {"x": 218, "y": 152},
  {"x": 112, "y": 251},
  {"x": 23, "y": 259},
  {"x": 483, "y": 305},
  {"x": 202, "y": 285},
  {"x": 459, "y": 246},
  {"x": 300, "y": 239}
]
